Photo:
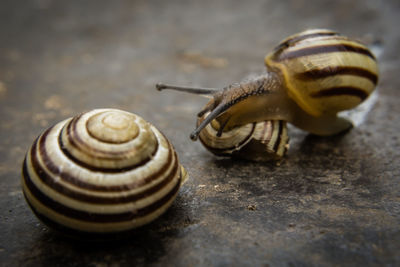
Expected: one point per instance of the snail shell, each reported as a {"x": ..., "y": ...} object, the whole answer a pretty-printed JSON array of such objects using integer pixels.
[
  {"x": 311, "y": 76},
  {"x": 103, "y": 171},
  {"x": 323, "y": 71},
  {"x": 262, "y": 141}
]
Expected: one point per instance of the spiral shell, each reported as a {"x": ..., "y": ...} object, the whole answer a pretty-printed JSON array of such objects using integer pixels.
[
  {"x": 325, "y": 72},
  {"x": 103, "y": 171},
  {"x": 311, "y": 77},
  {"x": 262, "y": 141}
]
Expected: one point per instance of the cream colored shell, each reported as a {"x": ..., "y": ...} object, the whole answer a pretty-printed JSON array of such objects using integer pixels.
[
  {"x": 323, "y": 71},
  {"x": 262, "y": 141},
  {"x": 103, "y": 171}
]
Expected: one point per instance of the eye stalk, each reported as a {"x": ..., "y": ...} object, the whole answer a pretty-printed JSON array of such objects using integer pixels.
[
  {"x": 215, "y": 105},
  {"x": 214, "y": 113},
  {"x": 311, "y": 76},
  {"x": 229, "y": 105},
  {"x": 191, "y": 90}
]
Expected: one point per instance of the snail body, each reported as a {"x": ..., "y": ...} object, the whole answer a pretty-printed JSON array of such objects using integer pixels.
[
  {"x": 311, "y": 76},
  {"x": 104, "y": 171}
]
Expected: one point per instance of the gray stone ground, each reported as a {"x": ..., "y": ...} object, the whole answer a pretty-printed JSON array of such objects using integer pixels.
[{"x": 332, "y": 201}]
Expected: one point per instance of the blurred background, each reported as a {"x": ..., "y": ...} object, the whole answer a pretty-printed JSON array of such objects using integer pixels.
[{"x": 332, "y": 201}]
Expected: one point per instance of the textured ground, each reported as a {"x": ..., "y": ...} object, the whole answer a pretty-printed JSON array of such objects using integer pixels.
[{"x": 333, "y": 201}]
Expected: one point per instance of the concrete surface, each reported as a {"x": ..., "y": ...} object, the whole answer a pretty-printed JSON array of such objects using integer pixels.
[{"x": 332, "y": 201}]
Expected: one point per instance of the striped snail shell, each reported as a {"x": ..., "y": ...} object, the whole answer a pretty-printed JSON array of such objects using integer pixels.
[
  {"x": 325, "y": 72},
  {"x": 311, "y": 76},
  {"x": 104, "y": 171},
  {"x": 261, "y": 141}
]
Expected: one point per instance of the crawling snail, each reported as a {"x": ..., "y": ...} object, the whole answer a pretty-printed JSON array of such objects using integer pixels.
[
  {"x": 311, "y": 76},
  {"x": 104, "y": 171}
]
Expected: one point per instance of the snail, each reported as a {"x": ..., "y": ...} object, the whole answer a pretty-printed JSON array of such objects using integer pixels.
[
  {"x": 311, "y": 76},
  {"x": 102, "y": 172},
  {"x": 257, "y": 141}
]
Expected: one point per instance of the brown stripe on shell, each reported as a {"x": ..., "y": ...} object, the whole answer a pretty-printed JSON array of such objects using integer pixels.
[
  {"x": 100, "y": 188},
  {"x": 223, "y": 150},
  {"x": 295, "y": 39},
  {"x": 102, "y": 140},
  {"x": 278, "y": 139},
  {"x": 46, "y": 179},
  {"x": 96, "y": 217},
  {"x": 74, "y": 139},
  {"x": 341, "y": 91},
  {"x": 92, "y": 236},
  {"x": 337, "y": 70},
  {"x": 99, "y": 169},
  {"x": 319, "y": 49}
]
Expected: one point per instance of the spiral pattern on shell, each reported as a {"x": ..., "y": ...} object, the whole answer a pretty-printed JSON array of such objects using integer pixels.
[
  {"x": 262, "y": 141},
  {"x": 325, "y": 72},
  {"x": 103, "y": 171}
]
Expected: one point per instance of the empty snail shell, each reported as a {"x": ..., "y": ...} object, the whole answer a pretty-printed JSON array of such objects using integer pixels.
[
  {"x": 261, "y": 141},
  {"x": 104, "y": 171},
  {"x": 311, "y": 76}
]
